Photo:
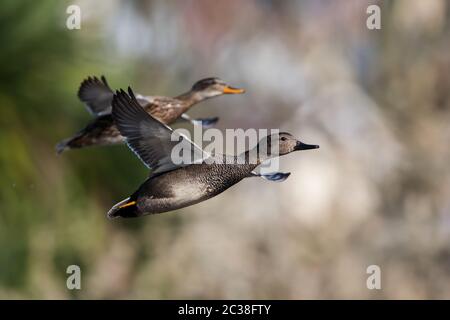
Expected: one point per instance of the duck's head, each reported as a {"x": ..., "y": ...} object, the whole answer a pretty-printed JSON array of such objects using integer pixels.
[
  {"x": 286, "y": 143},
  {"x": 212, "y": 87}
]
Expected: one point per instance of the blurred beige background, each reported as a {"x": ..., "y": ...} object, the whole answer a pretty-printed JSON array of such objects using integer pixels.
[{"x": 376, "y": 192}]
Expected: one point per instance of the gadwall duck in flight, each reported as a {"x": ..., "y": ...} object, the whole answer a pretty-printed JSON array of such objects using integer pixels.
[
  {"x": 97, "y": 96},
  {"x": 172, "y": 186}
]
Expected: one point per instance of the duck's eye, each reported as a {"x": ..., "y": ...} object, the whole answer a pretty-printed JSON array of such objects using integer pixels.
[{"x": 283, "y": 138}]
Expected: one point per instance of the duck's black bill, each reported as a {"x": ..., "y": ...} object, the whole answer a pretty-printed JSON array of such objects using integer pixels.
[{"x": 304, "y": 146}]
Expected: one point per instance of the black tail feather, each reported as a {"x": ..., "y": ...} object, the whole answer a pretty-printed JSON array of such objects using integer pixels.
[
  {"x": 63, "y": 145},
  {"x": 125, "y": 209}
]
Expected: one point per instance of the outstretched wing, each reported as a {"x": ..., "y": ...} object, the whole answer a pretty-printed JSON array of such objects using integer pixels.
[
  {"x": 151, "y": 140},
  {"x": 96, "y": 95}
]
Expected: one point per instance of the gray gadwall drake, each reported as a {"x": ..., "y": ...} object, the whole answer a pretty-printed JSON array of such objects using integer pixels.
[
  {"x": 172, "y": 186},
  {"x": 97, "y": 96}
]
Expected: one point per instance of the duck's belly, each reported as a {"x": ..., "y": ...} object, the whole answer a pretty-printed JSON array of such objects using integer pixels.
[
  {"x": 185, "y": 194},
  {"x": 179, "y": 189},
  {"x": 102, "y": 131},
  {"x": 175, "y": 196}
]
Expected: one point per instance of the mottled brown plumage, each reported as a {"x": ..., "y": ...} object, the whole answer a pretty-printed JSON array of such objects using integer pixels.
[{"x": 97, "y": 96}]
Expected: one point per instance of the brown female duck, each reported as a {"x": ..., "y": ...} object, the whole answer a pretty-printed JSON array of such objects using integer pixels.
[
  {"x": 97, "y": 96},
  {"x": 172, "y": 186}
]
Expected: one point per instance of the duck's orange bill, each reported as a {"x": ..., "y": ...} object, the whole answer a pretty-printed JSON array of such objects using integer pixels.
[
  {"x": 129, "y": 204},
  {"x": 232, "y": 90}
]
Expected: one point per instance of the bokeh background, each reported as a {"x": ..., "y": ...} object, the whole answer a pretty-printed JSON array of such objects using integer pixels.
[{"x": 377, "y": 192}]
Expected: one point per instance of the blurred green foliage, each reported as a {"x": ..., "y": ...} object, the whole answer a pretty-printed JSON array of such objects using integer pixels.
[{"x": 44, "y": 195}]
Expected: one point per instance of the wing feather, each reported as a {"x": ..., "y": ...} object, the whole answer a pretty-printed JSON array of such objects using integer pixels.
[
  {"x": 96, "y": 95},
  {"x": 151, "y": 140}
]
